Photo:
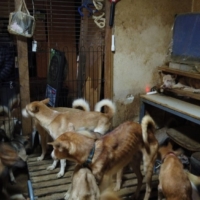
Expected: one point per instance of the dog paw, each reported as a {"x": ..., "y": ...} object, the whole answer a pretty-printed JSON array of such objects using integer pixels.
[
  {"x": 60, "y": 174},
  {"x": 51, "y": 167},
  {"x": 40, "y": 158}
]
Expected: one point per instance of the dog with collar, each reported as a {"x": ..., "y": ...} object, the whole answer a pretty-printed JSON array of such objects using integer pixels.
[
  {"x": 113, "y": 151},
  {"x": 56, "y": 123},
  {"x": 174, "y": 183}
]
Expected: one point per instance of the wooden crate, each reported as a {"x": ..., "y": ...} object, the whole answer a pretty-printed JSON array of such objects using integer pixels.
[{"x": 46, "y": 186}]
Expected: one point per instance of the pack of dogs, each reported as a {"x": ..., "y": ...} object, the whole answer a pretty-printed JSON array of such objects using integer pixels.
[{"x": 101, "y": 153}]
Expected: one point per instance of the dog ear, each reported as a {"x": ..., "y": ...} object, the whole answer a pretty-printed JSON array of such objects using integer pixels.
[
  {"x": 45, "y": 101},
  {"x": 72, "y": 148},
  {"x": 34, "y": 108}
]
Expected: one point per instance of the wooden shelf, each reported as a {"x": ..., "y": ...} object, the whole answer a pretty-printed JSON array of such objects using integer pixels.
[
  {"x": 183, "y": 93},
  {"x": 179, "y": 72}
]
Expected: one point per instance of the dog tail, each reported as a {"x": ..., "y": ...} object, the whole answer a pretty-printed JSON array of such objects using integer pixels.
[
  {"x": 109, "y": 104},
  {"x": 81, "y": 104},
  {"x": 109, "y": 195},
  {"x": 147, "y": 124}
]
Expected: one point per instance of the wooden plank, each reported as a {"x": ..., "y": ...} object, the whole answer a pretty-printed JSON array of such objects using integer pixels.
[
  {"x": 108, "y": 60},
  {"x": 46, "y": 172},
  {"x": 23, "y": 76},
  {"x": 46, "y": 186},
  {"x": 50, "y": 190},
  {"x": 179, "y": 72},
  {"x": 56, "y": 196},
  {"x": 183, "y": 93},
  {"x": 50, "y": 177},
  {"x": 175, "y": 104},
  {"x": 56, "y": 182}
]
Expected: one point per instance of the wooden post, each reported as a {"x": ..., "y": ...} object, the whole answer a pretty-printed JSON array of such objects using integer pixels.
[
  {"x": 22, "y": 51},
  {"x": 108, "y": 65}
]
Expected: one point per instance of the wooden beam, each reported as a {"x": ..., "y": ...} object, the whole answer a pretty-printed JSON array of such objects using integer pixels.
[
  {"x": 22, "y": 52},
  {"x": 108, "y": 64}
]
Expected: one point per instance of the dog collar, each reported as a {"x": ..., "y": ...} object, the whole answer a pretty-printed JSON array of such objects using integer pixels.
[
  {"x": 169, "y": 153},
  {"x": 89, "y": 159}
]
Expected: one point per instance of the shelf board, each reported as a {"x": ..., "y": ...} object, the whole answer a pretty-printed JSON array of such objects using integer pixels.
[
  {"x": 179, "y": 72},
  {"x": 183, "y": 93}
]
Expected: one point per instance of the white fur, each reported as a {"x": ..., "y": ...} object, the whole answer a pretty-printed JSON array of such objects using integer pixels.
[
  {"x": 105, "y": 102},
  {"x": 25, "y": 113},
  {"x": 146, "y": 120},
  {"x": 81, "y": 103}
]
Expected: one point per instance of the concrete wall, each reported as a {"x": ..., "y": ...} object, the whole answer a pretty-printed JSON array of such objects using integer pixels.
[{"x": 142, "y": 31}]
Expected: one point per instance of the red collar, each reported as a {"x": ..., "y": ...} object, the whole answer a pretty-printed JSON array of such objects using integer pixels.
[{"x": 169, "y": 153}]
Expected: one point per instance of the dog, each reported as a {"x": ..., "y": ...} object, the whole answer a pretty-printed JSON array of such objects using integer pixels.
[
  {"x": 56, "y": 123},
  {"x": 77, "y": 105},
  {"x": 9, "y": 158},
  {"x": 174, "y": 183},
  {"x": 84, "y": 187},
  {"x": 185, "y": 83},
  {"x": 109, "y": 154},
  {"x": 18, "y": 144}
]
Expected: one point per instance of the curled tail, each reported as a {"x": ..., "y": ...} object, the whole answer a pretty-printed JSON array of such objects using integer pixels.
[
  {"x": 109, "y": 104},
  {"x": 147, "y": 124},
  {"x": 81, "y": 104}
]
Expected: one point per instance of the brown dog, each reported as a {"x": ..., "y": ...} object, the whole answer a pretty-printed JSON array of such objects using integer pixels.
[
  {"x": 113, "y": 151},
  {"x": 44, "y": 136},
  {"x": 174, "y": 183},
  {"x": 56, "y": 123},
  {"x": 84, "y": 187}
]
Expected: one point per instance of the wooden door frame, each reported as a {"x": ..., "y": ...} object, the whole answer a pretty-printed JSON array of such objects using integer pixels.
[{"x": 108, "y": 58}]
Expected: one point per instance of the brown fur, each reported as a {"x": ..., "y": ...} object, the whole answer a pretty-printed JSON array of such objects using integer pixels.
[
  {"x": 56, "y": 123},
  {"x": 113, "y": 151},
  {"x": 173, "y": 181},
  {"x": 45, "y": 137},
  {"x": 84, "y": 187},
  {"x": 8, "y": 156}
]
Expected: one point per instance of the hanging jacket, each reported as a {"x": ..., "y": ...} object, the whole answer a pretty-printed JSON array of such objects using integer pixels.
[{"x": 7, "y": 63}]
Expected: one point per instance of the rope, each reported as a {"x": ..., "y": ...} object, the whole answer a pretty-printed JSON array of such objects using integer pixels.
[{"x": 97, "y": 4}]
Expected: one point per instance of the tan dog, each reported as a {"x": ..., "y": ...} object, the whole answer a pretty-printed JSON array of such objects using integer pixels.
[
  {"x": 174, "y": 183},
  {"x": 113, "y": 151},
  {"x": 84, "y": 187},
  {"x": 44, "y": 136},
  {"x": 56, "y": 123},
  {"x": 185, "y": 83}
]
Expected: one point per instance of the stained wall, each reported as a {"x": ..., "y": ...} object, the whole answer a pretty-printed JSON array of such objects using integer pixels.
[{"x": 142, "y": 30}]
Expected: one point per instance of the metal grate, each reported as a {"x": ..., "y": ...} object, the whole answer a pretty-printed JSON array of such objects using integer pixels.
[{"x": 60, "y": 26}]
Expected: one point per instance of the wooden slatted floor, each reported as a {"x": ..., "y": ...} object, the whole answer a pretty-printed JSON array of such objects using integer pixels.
[{"x": 46, "y": 186}]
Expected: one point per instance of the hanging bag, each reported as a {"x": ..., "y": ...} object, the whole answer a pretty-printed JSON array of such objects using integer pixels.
[{"x": 21, "y": 22}]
